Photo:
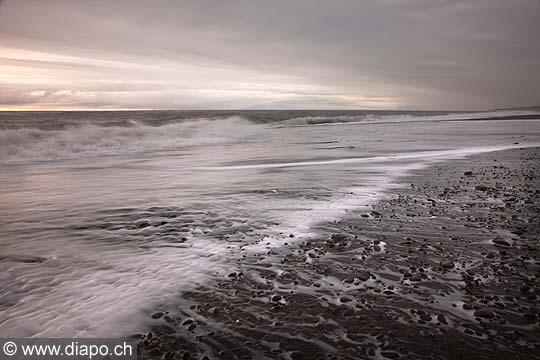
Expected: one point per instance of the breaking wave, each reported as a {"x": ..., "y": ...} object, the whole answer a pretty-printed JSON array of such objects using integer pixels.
[
  {"x": 378, "y": 118},
  {"x": 31, "y": 144},
  {"x": 70, "y": 138}
]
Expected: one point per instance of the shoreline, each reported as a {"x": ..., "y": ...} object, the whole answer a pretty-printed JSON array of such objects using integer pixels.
[{"x": 446, "y": 267}]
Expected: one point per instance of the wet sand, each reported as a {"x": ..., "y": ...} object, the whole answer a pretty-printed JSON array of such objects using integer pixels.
[{"x": 447, "y": 266}]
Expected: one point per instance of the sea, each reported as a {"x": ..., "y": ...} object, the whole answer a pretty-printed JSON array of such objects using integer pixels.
[{"x": 105, "y": 216}]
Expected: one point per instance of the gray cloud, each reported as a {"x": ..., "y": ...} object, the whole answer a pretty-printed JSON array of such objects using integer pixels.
[{"x": 302, "y": 53}]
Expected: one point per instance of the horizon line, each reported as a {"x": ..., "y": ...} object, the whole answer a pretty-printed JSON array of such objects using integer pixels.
[
  {"x": 230, "y": 110},
  {"x": 74, "y": 109}
]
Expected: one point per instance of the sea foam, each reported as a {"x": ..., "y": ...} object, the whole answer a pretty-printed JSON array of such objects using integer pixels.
[{"x": 31, "y": 144}]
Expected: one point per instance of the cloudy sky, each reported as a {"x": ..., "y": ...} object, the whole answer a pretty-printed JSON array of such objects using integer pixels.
[{"x": 250, "y": 54}]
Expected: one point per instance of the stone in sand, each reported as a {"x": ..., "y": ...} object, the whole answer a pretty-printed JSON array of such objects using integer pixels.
[
  {"x": 363, "y": 277},
  {"x": 484, "y": 313},
  {"x": 501, "y": 241},
  {"x": 447, "y": 264},
  {"x": 339, "y": 237},
  {"x": 481, "y": 188},
  {"x": 157, "y": 315},
  {"x": 442, "y": 319}
]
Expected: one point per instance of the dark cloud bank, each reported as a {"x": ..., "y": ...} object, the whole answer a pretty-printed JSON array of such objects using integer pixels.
[{"x": 271, "y": 54}]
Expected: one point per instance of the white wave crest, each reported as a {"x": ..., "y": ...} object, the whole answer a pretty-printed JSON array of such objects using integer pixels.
[
  {"x": 373, "y": 118},
  {"x": 29, "y": 145}
]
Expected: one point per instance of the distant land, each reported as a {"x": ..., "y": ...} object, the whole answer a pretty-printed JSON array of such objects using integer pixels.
[{"x": 529, "y": 108}]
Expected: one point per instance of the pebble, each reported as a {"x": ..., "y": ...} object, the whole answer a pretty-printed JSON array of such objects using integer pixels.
[
  {"x": 442, "y": 319},
  {"x": 363, "y": 277},
  {"x": 500, "y": 241},
  {"x": 447, "y": 264},
  {"x": 339, "y": 237},
  {"x": 484, "y": 313},
  {"x": 157, "y": 315}
]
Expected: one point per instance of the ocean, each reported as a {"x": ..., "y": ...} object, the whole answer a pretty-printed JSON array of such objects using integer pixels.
[{"x": 105, "y": 216}]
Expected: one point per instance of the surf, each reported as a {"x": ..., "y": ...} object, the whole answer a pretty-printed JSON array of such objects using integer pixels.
[{"x": 92, "y": 140}]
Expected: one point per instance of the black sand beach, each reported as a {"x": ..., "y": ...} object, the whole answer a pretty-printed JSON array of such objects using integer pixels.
[{"x": 445, "y": 267}]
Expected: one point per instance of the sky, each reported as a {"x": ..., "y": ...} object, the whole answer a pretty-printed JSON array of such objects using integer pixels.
[{"x": 279, "y": 54}]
